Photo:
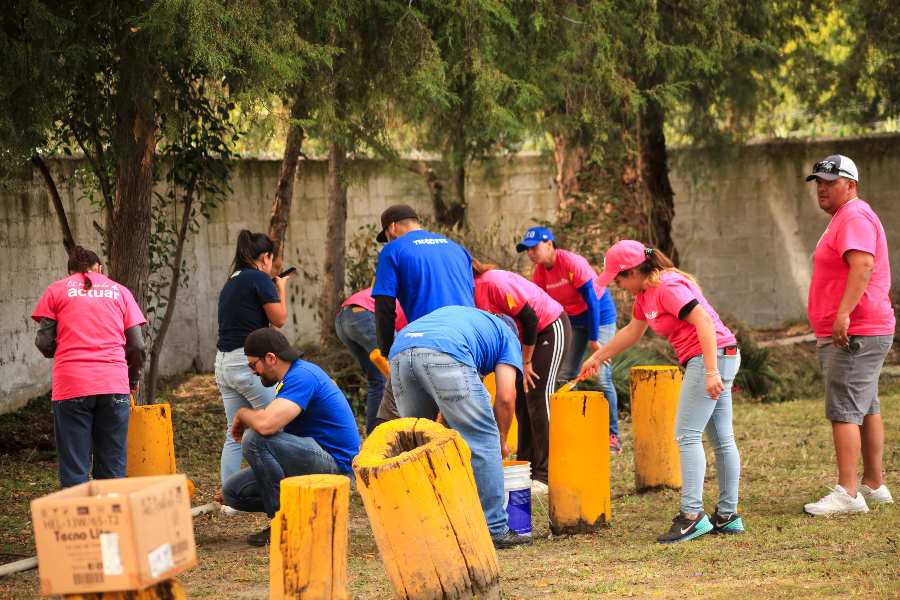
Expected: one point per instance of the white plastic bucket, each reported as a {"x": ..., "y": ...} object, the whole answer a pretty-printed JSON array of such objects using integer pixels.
[{"x": 517, "y": 495}]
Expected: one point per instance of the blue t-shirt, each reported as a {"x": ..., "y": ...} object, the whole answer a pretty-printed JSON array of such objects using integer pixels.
[
  {"x": 325, "y": 415},
  {"x": 241, "y": 307},
  {"x": 425, "y": 271},
  {"x": 471, "y": 336}
]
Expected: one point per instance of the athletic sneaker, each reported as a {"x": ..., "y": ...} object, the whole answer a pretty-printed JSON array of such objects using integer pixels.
[
  {"x": 260, "y": 538},
  {"x": 228, "y": 511},
  {"x": 837, "y": 502},
  {"x": 539, "y": 488},
  {"x": 882, "y": 495},
  {"x": 615, "y": 446},
  {"x": 510, "y": 539},
  {"x": 684, "y": 529},
  {"x": 730, "y": 525}
]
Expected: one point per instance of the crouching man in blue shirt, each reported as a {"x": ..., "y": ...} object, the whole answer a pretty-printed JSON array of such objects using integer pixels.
[
  {"x": 436, "y": 364},
  {"x": 308, "y": 428}
]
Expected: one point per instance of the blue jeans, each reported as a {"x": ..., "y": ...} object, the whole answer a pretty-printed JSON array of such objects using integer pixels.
[
  {"x": 426, "y": 381},
  {"x": 696, "y": 412},
  {"x": 271, "y": 459},
  {"x": 572, "y": 364},
  {"x": 91, "y": 423},
  {"x": 239, "y": 387},
  {"x": 356, "y": 330}
]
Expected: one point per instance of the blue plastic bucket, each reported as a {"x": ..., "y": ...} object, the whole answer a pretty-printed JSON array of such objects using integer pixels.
[{"x": 517, "y": 495}]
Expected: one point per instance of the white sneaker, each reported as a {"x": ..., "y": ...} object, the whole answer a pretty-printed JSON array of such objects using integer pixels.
[
  {"x": 837, "y": 502},
  {"x": 880, "y": 496},
  {"x": 228, "y": 511},
  {"x": 539, "y": 488}
]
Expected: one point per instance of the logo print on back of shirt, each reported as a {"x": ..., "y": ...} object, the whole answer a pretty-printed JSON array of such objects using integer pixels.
[{"x": 651, "y": 315}]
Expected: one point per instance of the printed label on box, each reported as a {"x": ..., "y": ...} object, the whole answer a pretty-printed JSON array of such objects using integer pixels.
[
  {"x": 109, "y": 551},
  {"x": 160, "y": 560}
]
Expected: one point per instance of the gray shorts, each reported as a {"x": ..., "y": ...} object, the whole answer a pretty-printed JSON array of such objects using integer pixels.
[{"x": 851, "y": 376}]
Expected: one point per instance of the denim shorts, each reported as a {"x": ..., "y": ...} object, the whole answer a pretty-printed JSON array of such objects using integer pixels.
[{"x": 851, "y": 376}]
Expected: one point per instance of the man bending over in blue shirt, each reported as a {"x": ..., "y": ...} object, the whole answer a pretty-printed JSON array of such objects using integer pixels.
[{"x": 436, "y": 363}]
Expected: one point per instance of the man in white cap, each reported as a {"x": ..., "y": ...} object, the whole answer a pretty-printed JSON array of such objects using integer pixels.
[{"x": 850, "y": 311}]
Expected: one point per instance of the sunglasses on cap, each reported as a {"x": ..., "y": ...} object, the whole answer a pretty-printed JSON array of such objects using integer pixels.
[{"x": 828, "y": 166}]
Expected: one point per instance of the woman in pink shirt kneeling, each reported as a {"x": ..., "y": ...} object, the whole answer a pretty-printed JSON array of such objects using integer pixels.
[
  {"x": 544, "y": 331},
  {"x": 91, "y": 327},
  {"x": 670, "y": 302}
]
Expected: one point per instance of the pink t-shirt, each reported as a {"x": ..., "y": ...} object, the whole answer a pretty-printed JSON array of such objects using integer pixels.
[
  {"x": 568, "y": 273},
  {"x": 854, "y": 226},
  {"x": 502, "y": 292},
  {"x": 90, "y": 334},
  {"x": 364, "y": 299},
  {"x": 660, "y": 305}
]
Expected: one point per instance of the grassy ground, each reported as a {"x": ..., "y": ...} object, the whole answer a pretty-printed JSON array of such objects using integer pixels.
[{"x": 787, "y": 460}]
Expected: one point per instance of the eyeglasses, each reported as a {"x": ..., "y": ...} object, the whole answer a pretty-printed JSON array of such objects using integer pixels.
[{"x": 252, "y": 364}]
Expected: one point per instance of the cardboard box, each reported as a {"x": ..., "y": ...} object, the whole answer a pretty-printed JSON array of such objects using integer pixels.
[{"x": 113, "y": 534}]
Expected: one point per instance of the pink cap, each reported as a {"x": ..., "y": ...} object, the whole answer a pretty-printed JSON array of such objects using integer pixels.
[{"x": 624, "y": 255}]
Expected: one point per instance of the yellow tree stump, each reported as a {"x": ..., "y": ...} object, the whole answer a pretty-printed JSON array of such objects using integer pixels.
[
  {"x": 654, "y": 402},
  {"x": 578, "y": 474},
  {"x": 151, "y": 442},
  {"x": 415, "y": 478},
  {"x": 169, "y": 589},
  {"x": 308, "y": 553}
]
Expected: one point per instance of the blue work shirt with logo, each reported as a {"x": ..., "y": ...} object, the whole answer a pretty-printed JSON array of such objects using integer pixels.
[
  {"x": 425, "y": 271},
  {"x": 325, "y": 414},
  {"x": 471, "y": 336}
]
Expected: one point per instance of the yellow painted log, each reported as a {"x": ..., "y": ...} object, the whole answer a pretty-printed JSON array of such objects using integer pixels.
[
  {"x": 578, "y": 474},
  {"x": 415, "y": 478},
  {"x": 308, "y": 553},
  {"x": 151, "y": 442},
  {"x": 169, "y": 589},
  {"x": 512, "y": 439},
  {"x": 654, "y": 402}
]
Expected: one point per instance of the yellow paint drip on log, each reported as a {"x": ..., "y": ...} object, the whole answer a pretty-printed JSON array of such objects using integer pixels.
[
  {"x": 578, "y": 474},
  {"x": 308, "y": 552},
  {"x": 164, "y": 590},
  {"x": 654, "y": 402},
  {"x": 415, "y": 478},
  {"x": 151, "y": 442},
  {"x": 512, "y": 438}
]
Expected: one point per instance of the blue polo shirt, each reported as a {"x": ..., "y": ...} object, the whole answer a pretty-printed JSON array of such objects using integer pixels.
[
  {"x": 241, "y": 307},
  {"x": 471, "y": 336},
  {"x": 325, "y": 415},
  {"x": 425, "y": 271}
]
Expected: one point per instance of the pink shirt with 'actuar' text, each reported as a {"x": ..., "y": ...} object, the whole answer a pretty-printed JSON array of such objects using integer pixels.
[{"x": 503, "y": 292}]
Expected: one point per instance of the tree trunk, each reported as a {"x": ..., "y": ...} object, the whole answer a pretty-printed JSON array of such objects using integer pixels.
[
  {"x": 569, "y": 157},
  {"x": 284, "y": 192},
  {"x": 655, "y": 177},
  {"x": 333, "y": 274},
  {"x": 171, "y": 298},
  {"x": 135, "y": 140},
  {"x": 68, "y": 239}
]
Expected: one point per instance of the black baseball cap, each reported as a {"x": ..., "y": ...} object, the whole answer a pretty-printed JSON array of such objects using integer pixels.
[
  {"x": 268, "y": 339},
  {"x": 392, "y": 214}
]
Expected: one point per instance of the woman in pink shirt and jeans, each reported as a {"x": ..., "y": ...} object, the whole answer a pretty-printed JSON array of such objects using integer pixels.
[
  {"x": 671, "y": 304},
  {"x": 90, "y": 326}
]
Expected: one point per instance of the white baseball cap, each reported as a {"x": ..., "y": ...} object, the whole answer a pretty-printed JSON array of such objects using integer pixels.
[{"x": 834, "y": 166}]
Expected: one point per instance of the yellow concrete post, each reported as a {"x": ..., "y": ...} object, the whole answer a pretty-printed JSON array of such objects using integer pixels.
[
  {"x": 308, "y": 552},
  {"x": 415, "y": 478},
  {"x": 654, "y": 402},
  {"x": 169, "y": 589},
  {"x": 151, "y": 441},
  {"x": 578, "y": 474}
]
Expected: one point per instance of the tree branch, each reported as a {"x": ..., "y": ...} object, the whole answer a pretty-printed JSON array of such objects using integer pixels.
[{"x": 68, "y": 239}]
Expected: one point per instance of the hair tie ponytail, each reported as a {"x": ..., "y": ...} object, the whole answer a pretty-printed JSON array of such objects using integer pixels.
[{"x": 648, "y": 252}]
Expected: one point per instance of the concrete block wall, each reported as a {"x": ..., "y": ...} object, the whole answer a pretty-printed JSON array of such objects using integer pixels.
[
  {"x": 747, "y": 226},
  {"x": 32, "y": 255}
]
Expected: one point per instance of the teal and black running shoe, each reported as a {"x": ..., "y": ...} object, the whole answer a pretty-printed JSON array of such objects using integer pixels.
[
  {"x": 684, "y": 529},
  {"x": 731, "y": 524}
]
